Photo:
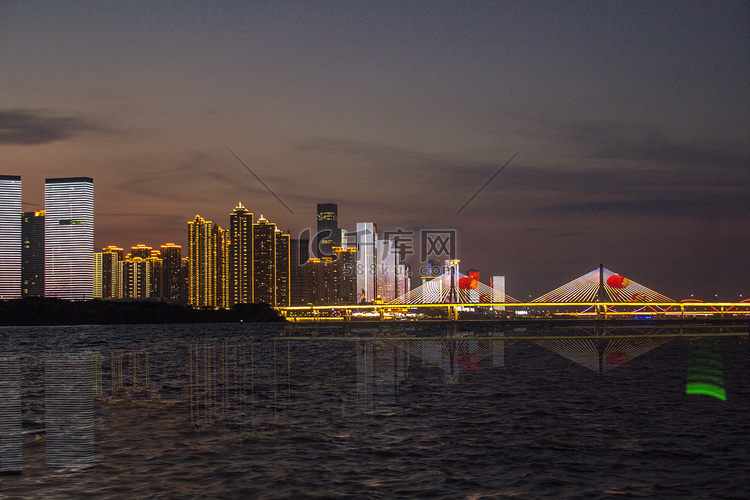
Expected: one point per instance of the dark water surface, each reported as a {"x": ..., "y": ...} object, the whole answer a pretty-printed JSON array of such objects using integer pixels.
[{"x": 274, "y": 411}]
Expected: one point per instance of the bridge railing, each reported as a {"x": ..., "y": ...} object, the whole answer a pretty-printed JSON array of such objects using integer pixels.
[{"x": 452, "y": 311}]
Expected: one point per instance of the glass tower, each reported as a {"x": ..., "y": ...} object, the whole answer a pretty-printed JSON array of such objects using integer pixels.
[
  {"x": 366, "y": 261},
  {"x": 10, "y": 237},
  {"x": 328, "y": 230},
  {"x": 69, "y": 238}
]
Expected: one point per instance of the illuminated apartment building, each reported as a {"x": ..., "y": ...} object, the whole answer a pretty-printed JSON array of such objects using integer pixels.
[
  {"x": 140, "y": 250},
  {"x": 10, "y": 237},
  {"x": 137, "y": 276},
  {"x": 107, "y": 273},
  {"x": 69, "y": 238},
  {"x": 208, "y": 257},
  {"x": 264, "y": 261},
  {"x": 32, "y": 254},
  {"x": 202, "y": 281},
  {"x": 171, "y": 256},
  {"x": 282, "y": 269},
  {"x": 221, "y": 269},
  {"x": 241, "y": 256},
  {"x": 345, "y": 278},
  {"x": 299, "y": 253}
]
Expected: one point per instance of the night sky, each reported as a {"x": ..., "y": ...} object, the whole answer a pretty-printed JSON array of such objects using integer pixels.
[{"x": 632, "y": 119}]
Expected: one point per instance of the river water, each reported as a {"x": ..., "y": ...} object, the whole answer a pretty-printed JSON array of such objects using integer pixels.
[{"x": 406, "y": 411}]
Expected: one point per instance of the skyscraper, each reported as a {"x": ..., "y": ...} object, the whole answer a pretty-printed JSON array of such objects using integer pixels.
[
  {"x": 328, "y": 230},
  {"x": 137, "y": 275},
  {"x": 171, "y": 255},
  {"x": 282, "y": 269},
  {"x": 264, "y": 261},
  {"x": 107, "y": 273},
  {"x": 387, "y": 267},
  {"x": 69, "y": 238},
  {"x": 241, "y": 256},
  {"x": 202, "y": 281},
  {"x": 141, "y": 250},
  {"x": 366, "y": 261},
  {"x": 10, "y": 237},
  {"x": 299, "y": 253},
  {"x": 32, "y": 254},
  {"x": 221, "y": 266}
]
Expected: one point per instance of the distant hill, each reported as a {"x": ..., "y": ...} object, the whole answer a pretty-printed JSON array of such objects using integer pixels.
[{"x": 47, "y": 311}]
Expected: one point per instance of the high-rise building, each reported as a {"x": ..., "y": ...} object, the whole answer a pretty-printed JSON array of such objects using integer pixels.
[
  {"x": 241, "y": 256},
  {"x": 498, "y": 291},
  {"x": 69, "y": 238},
  {"x": 345, "y": 275},
  {"x": 299, "y": 254},
  {"x": 366, "y": 261},
  {"x": 264, "y": 261},
  {"x": 10, "y": 236},
  {"x": 107, "y": 273},
  {"x": 202, "y": 281},
  {"x": 141, "y": 250},
  {"x": 387, "y": 267},
  {"x": 320, "y": 281},
  {"x": 328, "y": 235},
  {"x": 137, "y": 274},
  {"x": 282, "y": 269},
  {"x": 171, "y": 255},
  {"x": 32, "y": 254},
  {"x": 221, "y": 266}
]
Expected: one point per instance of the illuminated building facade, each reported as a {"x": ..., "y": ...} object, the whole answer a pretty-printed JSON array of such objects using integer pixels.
[
  {"x": 282, "y": 269},
  {"x": 69, "y": 238},
  {"x": 108, "y": 273},
  {"x": 264, "y": 261},
  {"x": 320, "y": 281},
  {"x": 299, "y": 254},
  {"x": 366, "y": 261},
  {"x": 202, "y": 281},
  {"x": 171, "y": 256},
  {"x": 498, "y": 290},
  {"x": 221, "y": 266},
  {"x": 32, "y": 254},
  {"x": 10, "y": 237},
  {"x": 140, "y": 250},
  {"x": 387, "y": 266},
  {"x": 346, "y": 275},
  {"x": 328, "y": 235},
  {"x": 136, "y": 278},
  {"x": 241, "y": 256}
]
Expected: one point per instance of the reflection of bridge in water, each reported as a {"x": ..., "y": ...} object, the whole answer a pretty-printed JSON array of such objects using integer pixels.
[{"x": 600, "y": 294}]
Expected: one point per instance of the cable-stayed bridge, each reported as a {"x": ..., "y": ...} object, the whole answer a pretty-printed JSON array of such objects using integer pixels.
[{"x": 598, "y": 294}]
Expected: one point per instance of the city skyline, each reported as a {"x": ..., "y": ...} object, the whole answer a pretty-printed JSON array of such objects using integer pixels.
[{"x": 631, "y": 120}]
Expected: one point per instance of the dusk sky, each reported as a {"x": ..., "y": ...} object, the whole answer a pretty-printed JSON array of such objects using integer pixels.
[{"x": 632, "y": 118}]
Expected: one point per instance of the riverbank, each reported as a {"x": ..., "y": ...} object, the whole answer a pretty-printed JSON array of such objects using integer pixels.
[{"x": 47, "y": 311}]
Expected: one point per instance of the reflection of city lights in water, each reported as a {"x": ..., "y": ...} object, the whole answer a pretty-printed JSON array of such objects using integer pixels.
[{"x": 705, "y": 373}]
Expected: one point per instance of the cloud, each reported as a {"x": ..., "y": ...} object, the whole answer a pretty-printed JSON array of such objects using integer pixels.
[
  {"x": 641, "y": 144},
  {"x": 688, "y": 206},
  {"x": 27, "y": 127}
]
